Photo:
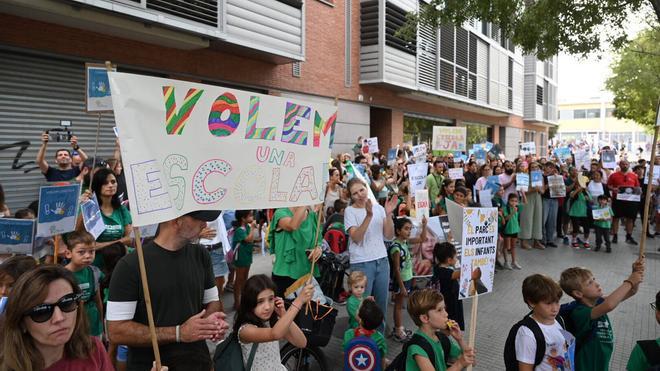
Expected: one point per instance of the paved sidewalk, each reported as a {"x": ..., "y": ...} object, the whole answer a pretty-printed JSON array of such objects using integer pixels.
[{"x": 632, "y": 320}]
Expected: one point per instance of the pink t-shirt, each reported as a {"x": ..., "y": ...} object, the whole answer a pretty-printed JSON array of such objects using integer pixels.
[{"x": 98, "y": 361}]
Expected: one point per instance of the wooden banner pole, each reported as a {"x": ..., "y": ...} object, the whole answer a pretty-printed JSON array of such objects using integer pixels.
[
  {"x": 473, "y": 325},
  {"x": 649, "y": 188},
  {"x": 147, "y": 296},
  {"x": 96, "y": 148},
  {"x": 56, "y": 247}
]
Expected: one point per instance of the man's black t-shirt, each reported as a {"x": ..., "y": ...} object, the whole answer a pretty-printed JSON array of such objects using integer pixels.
[
  {"x": 178, "y": 284},
  {"x": 57, "y": 175}
]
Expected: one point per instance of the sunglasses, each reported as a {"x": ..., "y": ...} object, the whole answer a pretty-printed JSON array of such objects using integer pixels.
[{"x": 43, "y": 312}]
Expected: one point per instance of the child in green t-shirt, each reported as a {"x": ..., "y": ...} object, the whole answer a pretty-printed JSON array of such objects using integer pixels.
[
  {"x": 80, "y": 252},
  {"x": 402, "y": 271},
  {"x": 592, "y": 328},
  {"x": 579, "y": 199},
  {"x": 369, "y": 318},
  {"x": 641, "y": 357},
  {"x": 602, "y": 225},
  {"x": 357, "y": 283},
  {"x": 510, "y": 225},
  {"x": 427, "y": 309}
]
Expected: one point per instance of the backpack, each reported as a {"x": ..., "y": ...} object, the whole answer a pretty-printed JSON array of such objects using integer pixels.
[
  {"x": 651, "y": 351},
  {"x": 228, "y": 355},
  {"x": 565, "y": 311},
  {"x": 362, "y": 353},
  {"x": 336, "y": 238},
  {"x": 399, "y": 363},
  {"x": 510, "y": 360},
  {"x": 403, "y": 257}
]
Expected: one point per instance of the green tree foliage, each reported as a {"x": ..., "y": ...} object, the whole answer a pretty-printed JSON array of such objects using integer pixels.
[
  {"x": 635, "y": 79},
  {"x": 541, "y": 27}
]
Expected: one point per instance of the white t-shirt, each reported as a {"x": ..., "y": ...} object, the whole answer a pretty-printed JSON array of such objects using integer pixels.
[
  {"x": 504, "y": 179},
  {"x": 372, "y": 246},
  {"x": 554, "y": 346}
]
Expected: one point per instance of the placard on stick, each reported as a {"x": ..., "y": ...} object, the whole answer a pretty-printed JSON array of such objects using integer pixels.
[
  {"x": 16, "y": 236},
  {"x": 58, "y": 206}
]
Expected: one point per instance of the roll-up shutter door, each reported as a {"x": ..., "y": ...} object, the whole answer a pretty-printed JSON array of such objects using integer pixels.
[{"x": 36, "y": 92}]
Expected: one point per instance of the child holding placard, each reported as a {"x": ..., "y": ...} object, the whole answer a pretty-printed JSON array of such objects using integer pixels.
[
  {"x": 603, "y": 223},
  {"x": 510, "y": 224}
]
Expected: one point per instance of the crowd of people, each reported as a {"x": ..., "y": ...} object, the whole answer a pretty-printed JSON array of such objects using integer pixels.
[{"x": 88, "y": 312}]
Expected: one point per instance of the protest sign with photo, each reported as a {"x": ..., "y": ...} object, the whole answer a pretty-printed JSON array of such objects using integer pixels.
[
  {"x": 608, "y": 159},
  {"x": 632, "y": 194},
  {"x": 370, "y": 145},
  {"x": 422, "y": 204},
  {"x": 205, "y": 147},
  {"x": 57, "y": 209},
  {"x": 557, "y": 186},
  {"x": 493, "y": 184},
  {"x": 536, "y": 178},
  {"x": 16, "y": 236},
  {"x": 417, "y": 174},
  {"x": 656, "y": 175},
  {"x": 419, "y": 151},
  {"x": 480, "y": 156},
  {"x": 528, "y": 148},
  {"x": 602, "y": 214},
  {"x": 449, "y": 138},
  {"x": 92, "y": 217},
  {"x": 456, "y": 173},
  {"x": 522, "y": 182},
  {"x": 485, "y": 198},
  {"x": 391, "y": 156},
  {"x": 479, "y": 241},
  {"x": 563, "y": 153},
  {"x": 583, "y": 160}
]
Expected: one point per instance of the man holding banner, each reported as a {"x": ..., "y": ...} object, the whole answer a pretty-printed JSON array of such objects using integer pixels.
[{"x": 184, "y": 299}]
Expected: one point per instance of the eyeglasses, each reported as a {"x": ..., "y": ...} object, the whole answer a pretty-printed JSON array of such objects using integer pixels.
[{"x": 43, "y": 312}]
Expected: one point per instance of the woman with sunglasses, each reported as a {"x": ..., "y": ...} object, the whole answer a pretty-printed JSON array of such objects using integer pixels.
[{"x": 44, "y": 328}]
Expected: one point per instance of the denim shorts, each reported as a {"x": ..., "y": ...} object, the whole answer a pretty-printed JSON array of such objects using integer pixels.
[
  {"x": 122, "y": 353},
  {"x": 219, "y": 263}
]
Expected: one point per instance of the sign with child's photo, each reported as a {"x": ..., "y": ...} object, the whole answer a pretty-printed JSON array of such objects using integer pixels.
[
  {"x": 557, "y": 186},
  {"x": 92, "y": 217},
  {"x": 608, "y": 158},
  {"x": 57, "y": 209},
  {"x": 602, "y": 214},
  {"x": 528, "y": 148},
  {"x": 16, "y": 236},
  {"x": 479, "y": 241},
  {"x": 522, "y": 182}
]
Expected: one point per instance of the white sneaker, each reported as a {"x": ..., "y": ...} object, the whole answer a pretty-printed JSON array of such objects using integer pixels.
[
  {"x": 507, "y": 265},
  {"x": 516, "y": 265}
]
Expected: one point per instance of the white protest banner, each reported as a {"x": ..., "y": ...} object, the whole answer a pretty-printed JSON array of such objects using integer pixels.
[
  {"x": 656, "y": 175},
  {"x": 16, "y": 236},
  {"x": 422, "y": 204},
  {"x": 629, "y": 194},
  {"x": 419, "y": 152},
  {"x": 456, "y": 173},
  {"x": 608, "y": 159},
  {"x": 528, "y": 148},
  {"x": 449, "y": 138},
  {"x": 522, "y": 182},
  {"x": 485, "y": 198},
  {"x": 582, "y": 160},
  {"x": 479, "y": 240},
  {"x": 370, "y": 145},
  {"x": 92, "y": 217},
  {"x": 417, "y": 174},
  {"x": 557, "y": 186},
  {"x": 602, "y": 214},
  {"x": 58, "y": 207},
  {"x": 204, "y": 147}
]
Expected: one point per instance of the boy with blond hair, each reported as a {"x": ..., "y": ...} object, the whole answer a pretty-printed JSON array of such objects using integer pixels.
[
  {"x": 587, "y": 317},
  {"x": 427, "y": 309},
  {"x": 357, "y": 283}
]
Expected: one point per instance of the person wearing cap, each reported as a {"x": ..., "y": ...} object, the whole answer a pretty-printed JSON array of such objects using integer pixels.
[
  {"x": 184, "y": 299},
  {"x": 64, "y": 170}
]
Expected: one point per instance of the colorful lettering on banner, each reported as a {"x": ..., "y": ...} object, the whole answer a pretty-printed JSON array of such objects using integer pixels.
[
  {"x": 175, "y": 120},
  {"x": 252, "y": 131},
  {"x": 199, "y": 191},
  {"x": 177, "y": 182},
  {"x": 219, "y": 127},
  {"x": 322, "y": 126},
  {"x": 291, "y": 121}
]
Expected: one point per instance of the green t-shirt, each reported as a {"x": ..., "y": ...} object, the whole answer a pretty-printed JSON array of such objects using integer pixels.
[
  {"x": 114, "y": 229},
  {"x": 596, "y": 352},
  {"x": 603, "y": 223},
  {"x": 638, "y": 360},
  {"x": 87, "y": 284},
  {"x": 243, "y": 258},
  {"x": 406, "y": 260},
  {"x": 513, "y": 225},
  {"x": 352, "y": 307},
  {"x": 289, "y": 247},
  {"x": 578, "y": 206},
  {"x": 454, "y": 352},
  {"x": 434, "y": 185},
  {"x": 376, "y": 336}
]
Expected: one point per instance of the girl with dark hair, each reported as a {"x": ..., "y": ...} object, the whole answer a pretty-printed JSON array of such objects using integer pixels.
[
  {"x": 262, "y": 321},
  {"x": 45, "y": 329},
  {"x": 334, "y": 190}
]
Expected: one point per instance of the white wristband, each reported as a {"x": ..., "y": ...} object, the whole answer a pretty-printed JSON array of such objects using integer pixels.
[{"x": 178, "y": 333}]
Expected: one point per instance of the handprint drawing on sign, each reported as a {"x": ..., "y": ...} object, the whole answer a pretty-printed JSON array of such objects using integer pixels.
[
  {"x": 14, "y": 236},
  {"x": 59, "y": 208}
]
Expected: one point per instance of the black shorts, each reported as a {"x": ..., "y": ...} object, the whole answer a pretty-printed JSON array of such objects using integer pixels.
[
  {"x": 625, "y": 209},
  {"x": 510, "y": 235}
]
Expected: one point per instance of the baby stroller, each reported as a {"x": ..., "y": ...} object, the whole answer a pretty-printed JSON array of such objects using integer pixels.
[{"x": 333, "y": 268}]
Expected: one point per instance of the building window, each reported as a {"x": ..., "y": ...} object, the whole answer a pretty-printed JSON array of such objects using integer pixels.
[
  {"x": 459, "y": 62},
  {"x": 580, "y": 114},
  {"x": 593, "y": 113},
  {"x": 395, "y": 18},
  {"x": 566, "y": 114},
  {"x": 539, "y": 95}
]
